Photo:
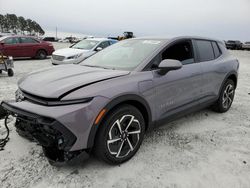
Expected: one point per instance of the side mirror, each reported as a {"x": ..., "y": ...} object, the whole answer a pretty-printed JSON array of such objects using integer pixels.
[
  {"x": 167, "y": 65},
  {"x": 2, "y": 43},
  {"x": 98, "y": 49}
]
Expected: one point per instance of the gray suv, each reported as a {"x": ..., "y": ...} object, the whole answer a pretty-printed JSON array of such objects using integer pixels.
[{"x": 106, "y": 103}]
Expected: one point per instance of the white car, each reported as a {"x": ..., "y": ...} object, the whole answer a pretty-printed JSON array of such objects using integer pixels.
[{"x": 80, "y": 50}]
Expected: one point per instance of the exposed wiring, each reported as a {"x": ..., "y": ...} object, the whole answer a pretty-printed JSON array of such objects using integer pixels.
[{"x": 4, "y": 141}]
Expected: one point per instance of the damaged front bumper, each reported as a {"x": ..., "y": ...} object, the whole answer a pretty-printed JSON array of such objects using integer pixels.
[{"x": 54, "y": 137}]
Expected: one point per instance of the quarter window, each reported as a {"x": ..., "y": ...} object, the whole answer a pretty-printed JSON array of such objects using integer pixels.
[
  {"x": 205, "y": 50},
  {"x": 217, "y": 52}
]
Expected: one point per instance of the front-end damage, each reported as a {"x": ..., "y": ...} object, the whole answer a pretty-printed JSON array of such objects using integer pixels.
[
  {"x": 62, "y": 131},
  {"x": 55, "y": 138}
]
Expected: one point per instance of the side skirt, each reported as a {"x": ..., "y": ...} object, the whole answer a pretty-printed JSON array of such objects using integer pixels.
[{"x": 180, "y": 113}]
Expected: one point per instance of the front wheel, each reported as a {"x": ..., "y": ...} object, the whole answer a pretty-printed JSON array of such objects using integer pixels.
[
  {"x": 226, "y": 97},
  {"x": 41, "y": 54},
  {"x": 120, "y": 135}
]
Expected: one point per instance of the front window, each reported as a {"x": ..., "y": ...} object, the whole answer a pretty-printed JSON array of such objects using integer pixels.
[
  {"x": 124, "y": 55},
  {"x": 85, "y": 44},
  {"x": 182, "y": 51},
  {"x": 27, "y": 40}
]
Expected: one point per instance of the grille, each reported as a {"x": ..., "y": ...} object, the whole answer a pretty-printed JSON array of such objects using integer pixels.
[{"x": 58, "y": 57}]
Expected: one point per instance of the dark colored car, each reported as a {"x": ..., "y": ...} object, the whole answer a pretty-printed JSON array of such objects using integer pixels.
[
  {"x": 107, "y": 102},
  {"x": 25, "y": 46},
  {"x": 50, "y": 39},
  {"x": 234, "y": 45}
]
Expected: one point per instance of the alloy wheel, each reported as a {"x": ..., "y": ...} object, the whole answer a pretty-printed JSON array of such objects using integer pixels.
[
  {"x": 123, "y": 136},
  {"x": 228, "y": 96}
]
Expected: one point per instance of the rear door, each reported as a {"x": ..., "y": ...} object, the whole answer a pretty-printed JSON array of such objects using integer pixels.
[
  {"x": 209, "y": 55},
  {"x": 179, "y": 89},
  {"x": 29, "y": 46},
  {"x": 12, "y": 47}
]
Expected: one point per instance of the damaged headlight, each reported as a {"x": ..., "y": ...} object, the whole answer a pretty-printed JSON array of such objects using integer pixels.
[{"x": 19, "y": 95}]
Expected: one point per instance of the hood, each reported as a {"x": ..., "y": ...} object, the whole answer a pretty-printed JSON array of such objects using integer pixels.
[
  {"x": 56, "y": 81},
  {"x": 67, "y": 52}
]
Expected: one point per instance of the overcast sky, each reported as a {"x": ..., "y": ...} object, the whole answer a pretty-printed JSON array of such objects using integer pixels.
[{"x": 223, "y": 19}]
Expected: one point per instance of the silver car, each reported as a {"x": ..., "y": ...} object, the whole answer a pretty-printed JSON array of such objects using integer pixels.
[
  {"x": 106, "y": 103},
  {"x": 246, "y": 46},
  {"x": 80, "y": 50}
]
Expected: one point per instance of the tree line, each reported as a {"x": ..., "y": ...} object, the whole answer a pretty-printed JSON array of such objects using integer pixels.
[{"x": 19, "y": 25}]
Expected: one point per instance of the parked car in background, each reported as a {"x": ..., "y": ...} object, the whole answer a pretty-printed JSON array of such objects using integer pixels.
[
  {"x": 111, "y": 99},
  {"x": 246, "y": 46},
  {"x": 50, "y": 39},
  {"x": 25, "y": 46},
  {"x": 80, "y": 51},
  {"x": 234, "y": 45}
]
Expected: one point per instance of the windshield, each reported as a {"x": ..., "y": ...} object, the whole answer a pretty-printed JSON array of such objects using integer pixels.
[
  {"x": 124, "y": 55},
  {"x": 85, "y": 44}
]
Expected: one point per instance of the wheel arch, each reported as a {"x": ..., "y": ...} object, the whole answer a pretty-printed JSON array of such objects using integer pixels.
[
  {"x": 131, "y": 99},
  {"x": 233, "y": 75}
]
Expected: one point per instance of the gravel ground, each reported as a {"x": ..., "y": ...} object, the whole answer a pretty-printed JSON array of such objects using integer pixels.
[{"x": 204, "y": 149}]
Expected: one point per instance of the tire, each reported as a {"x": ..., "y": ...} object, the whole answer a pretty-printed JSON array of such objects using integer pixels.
[
  {"x": 10, "y": 72},
  {"x": 226, "y": 97},
  {"x": 41, "y": 54},
  {"x": 124, "y": 145}
]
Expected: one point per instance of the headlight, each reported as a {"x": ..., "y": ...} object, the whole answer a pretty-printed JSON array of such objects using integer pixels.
[
  {"x": 68, "y": 102},
  {"x": 74, "y": 56},
  {"x": 19, "y": 95}
]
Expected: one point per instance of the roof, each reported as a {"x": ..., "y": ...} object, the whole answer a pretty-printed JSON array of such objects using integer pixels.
[{"x": 177, "y": 38}]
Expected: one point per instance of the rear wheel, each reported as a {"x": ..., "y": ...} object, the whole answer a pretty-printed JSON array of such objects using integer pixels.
[
  {"x": 41, "y": 54},
  {"x": 120, "y": 135},
  {"x": 226, "y": 97}
]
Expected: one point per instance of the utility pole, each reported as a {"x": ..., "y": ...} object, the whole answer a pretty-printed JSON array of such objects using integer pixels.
[{"x": 56, "y": 33}]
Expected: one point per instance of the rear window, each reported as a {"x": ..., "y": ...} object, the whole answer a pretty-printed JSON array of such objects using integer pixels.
[
  {"x": 205, "y": 50},
  {"x": 12, "y": 40},
  {"x": 217, "y": 51}
]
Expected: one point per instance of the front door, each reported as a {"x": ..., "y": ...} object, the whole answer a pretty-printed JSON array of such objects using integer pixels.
[{"x": 178, "y": 89}]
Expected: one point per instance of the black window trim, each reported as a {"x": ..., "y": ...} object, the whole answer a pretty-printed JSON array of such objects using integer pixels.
[
  {"x": 148, "y": 67},
  {"x": 216, "y": 43}
]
